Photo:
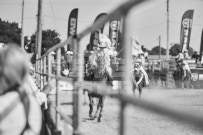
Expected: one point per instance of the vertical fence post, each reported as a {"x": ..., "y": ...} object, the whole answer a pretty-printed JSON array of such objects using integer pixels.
[
  {"x": 78, "y": 70},
  {"x": 58, "y": 72},
  {"x": 41, "y": 73},
  {"x": 45, "y": 70},
  {"x": 49, "y": 67},
  {"x": 38, "y": 72},
  {"x": 127, "y": 59},
  {"x": 36, "y": 67}
]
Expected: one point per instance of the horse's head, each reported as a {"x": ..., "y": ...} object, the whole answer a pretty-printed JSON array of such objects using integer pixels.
[{"x": 137, "y": 67}]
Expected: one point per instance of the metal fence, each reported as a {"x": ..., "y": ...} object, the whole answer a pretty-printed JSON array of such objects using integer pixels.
[{"x": 44, "y": 74}]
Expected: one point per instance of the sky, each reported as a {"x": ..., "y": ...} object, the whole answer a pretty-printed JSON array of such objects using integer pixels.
[{"x": 147, "y": 21}]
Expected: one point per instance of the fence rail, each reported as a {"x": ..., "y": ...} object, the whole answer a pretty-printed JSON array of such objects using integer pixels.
[{"x": 79, "y": 83}]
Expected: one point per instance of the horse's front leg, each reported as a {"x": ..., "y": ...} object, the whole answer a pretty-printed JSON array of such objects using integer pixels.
[
  {"x": 98, "y": 106},
  {"x": 85, "y": 102},
  {"x": 101, "y": 110},
  {"x": 90, "y": 105}
]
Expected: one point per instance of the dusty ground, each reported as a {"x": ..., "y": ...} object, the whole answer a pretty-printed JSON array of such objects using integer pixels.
[{"x": 140, "y": 122}]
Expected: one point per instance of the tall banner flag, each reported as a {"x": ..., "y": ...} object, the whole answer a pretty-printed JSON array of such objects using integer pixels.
[
  {"x": 201, "y": 48},
  {"x": 186, "y": 27},
  {"x": 72, "y": 25},
  {"x": 136, "y": 46},
  {"x": 94, "y": 37},
  {"x": 114, "y": 29}
]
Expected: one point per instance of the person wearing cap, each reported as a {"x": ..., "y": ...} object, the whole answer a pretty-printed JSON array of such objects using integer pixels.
[
  {"x": 137, "y": 77},
  {"x": 146, "y": 78},
  {"x": 69, "y": 59},
  {"x": 186, "y": 66},
  {"x": 186, "y": 55},
  {"x": 179, "y": 57},
  {"x": 186, "y": 74}
]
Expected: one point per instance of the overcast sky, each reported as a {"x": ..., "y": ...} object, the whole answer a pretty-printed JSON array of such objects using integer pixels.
[{"x": 147, "y": 21}]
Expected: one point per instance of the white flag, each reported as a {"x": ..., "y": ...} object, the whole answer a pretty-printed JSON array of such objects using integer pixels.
[{"x": 136, "y": 46}]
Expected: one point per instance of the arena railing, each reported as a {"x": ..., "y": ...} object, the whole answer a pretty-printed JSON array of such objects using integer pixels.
[{"x": 79, "y": 83}]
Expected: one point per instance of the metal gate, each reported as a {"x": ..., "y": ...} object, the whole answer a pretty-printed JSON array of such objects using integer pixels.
[{"x": 43, "y": 70}]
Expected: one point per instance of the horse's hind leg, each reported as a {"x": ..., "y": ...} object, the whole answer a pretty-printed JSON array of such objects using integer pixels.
[
  {"x": 101, "y": 102},
  {"x": 98, "y": 106},
  {"x": 140, "y": 92},
  {"x": 90, "y": 105},
  {"x": 134, "y": 87}
]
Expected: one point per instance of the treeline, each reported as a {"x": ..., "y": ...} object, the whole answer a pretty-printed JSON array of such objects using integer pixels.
[{"x": 173, "y": 51}]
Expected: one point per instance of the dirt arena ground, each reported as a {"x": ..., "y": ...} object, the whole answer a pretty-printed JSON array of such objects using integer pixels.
[{"x": 139, "y": 121}]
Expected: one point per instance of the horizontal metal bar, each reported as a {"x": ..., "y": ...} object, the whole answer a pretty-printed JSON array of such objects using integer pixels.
[
  {"x": 41, "y": 73},
  {"x": 59, "y": 77},
  {"x": 59, "y": 45},
  {"x": 123, "y": 9},
  {"x": 66, "y": 118},
  {"x": 96, "y": 87}
]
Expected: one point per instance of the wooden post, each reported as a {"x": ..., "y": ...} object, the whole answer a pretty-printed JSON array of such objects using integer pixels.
[
  {"x": 22, "y": 27},
  {"x": 39, "y": 28},
  {"x": 167, "y": 48},
  {"x": 159, "y": 47}
]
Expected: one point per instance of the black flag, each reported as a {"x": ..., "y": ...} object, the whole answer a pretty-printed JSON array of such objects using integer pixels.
[
  {"x": 201, "y": 47},
  {"x": 94, "y": 37},
  {"x": 186, "y": 27},
  {"x": 72, "y": 24},
  {"x": 114, "y": 29}
]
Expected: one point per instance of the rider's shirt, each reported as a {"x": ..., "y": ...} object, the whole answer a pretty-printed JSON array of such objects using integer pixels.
[
  {"x": 186, "y": 56},
  {"x": 186, "y": 67},
  {"x": 100, "y": 60},
  {"x": 180, "y": 57}
]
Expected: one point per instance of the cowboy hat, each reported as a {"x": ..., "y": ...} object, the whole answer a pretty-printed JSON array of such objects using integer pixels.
[{"x": 104, "y": 41}]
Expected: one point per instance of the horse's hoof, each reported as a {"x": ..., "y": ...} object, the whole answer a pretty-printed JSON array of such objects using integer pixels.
[
  {"x": 98, "y": 120},
  {"x": 90, "y": 115}
]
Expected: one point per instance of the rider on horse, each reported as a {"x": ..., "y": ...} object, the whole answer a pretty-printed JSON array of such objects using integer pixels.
[
  {"x": 100, "y": 59},
  {"x": 142, "y": 58},
  {"x": 100, "y": 70},
  {"x": 183, "y": 67},
  {"x": 138, "y": 77}
]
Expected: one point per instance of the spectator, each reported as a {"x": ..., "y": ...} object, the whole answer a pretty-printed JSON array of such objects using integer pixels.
[
  {"x": 179, "y": 57},
  {"x": 186, "y": 55},
  {"x": 195, "y": 56},
  {"x": 20, "y": 113}
]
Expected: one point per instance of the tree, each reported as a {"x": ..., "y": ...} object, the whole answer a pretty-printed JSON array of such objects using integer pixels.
[
  {"x": 174, "y": 50},
  {"x": 49, "y": 39},
  {"x": 10, "y": 33},
  {"x": 155, "y": 51}
]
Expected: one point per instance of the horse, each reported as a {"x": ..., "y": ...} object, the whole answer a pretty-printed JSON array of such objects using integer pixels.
[
  {"x": 91, "y": 75},
  {"x": 138, "y": 79},
  {"x": 182, "y": 76}
]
